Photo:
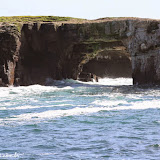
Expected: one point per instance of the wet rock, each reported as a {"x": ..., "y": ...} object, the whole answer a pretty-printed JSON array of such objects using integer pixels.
[{"x": 87, "y": 77}]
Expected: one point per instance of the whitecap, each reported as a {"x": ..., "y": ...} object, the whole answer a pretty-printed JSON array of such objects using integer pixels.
[
  {"x": 109, "y": 102},
  {"x": 116, "y": 81},
  {"x": 111, "y": 81},
  {"x": 123, "y": 105},
  {"x": 82, "y": 111}
]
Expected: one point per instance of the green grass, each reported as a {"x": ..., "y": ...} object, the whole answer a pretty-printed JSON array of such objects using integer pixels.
[{"x": 16, "y": 19}]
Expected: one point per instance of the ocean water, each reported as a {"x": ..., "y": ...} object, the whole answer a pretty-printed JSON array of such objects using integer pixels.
[{"x": 72, "y": 120}]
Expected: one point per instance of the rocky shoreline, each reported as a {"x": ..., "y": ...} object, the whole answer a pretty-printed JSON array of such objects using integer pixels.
[{"x": 31, "y": 52}]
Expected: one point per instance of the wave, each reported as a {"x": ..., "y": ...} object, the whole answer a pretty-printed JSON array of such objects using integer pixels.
[
  {"x": 58, "y": 85},
  {"x": 124, "y": 105},
  {"x": 109, "y": 102},
  {"x": 102, "y": 81},
  {"x": 27, "y": 90},
  {"x": 50, "y": 114},
  {"x": 115, "y": 81}
]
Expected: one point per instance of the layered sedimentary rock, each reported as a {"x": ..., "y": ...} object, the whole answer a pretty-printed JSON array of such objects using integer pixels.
[{"x": 60, "y": 50}]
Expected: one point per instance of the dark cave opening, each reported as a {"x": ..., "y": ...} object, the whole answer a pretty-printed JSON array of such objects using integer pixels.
[{"x": 111, "y": 63}]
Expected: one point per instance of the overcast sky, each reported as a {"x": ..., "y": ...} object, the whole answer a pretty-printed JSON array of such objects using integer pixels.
[{"x": 88, "y": 9}]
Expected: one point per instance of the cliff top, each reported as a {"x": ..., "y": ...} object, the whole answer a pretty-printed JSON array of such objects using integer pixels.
[
  {"x": 23, "y": 19},
  {"x": 31, "y": 19}
]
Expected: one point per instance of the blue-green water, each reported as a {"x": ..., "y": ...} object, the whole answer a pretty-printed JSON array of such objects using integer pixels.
[{"x": 71, "y": 120}]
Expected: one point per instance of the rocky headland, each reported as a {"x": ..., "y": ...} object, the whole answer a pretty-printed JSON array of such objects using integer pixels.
[{"x": 34, "y": 49}]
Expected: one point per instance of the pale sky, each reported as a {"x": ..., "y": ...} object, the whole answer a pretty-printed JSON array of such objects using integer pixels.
[{"x": 88, "y": 9}]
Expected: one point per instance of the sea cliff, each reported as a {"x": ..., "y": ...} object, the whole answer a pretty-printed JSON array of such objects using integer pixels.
[{"x": 33, "y": 50}]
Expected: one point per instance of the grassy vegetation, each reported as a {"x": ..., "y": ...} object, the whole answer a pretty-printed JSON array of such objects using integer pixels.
[
  {"x": 16, "y": 19},
  {"x": 19, "y": 20}
]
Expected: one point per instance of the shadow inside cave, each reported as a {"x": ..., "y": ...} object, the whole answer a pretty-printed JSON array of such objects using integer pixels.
[{"x": 113, "y": 62}]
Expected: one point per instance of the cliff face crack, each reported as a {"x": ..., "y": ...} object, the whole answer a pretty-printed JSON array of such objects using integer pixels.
[{"x": 108, "y": 47}]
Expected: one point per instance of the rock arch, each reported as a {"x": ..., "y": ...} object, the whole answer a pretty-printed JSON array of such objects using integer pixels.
[
  {"x": 59, "y": 50},
  {"x": 141, "y": 37},
  {"x": 112, "y": 63}
]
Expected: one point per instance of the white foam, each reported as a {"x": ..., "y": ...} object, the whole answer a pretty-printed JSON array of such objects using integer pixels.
[
  {"x": 4, "y": 91},
  {"x": 143, "y": 105},
  {"x": 59, "y": 113},
  {"x": 50, "y": 114},
  {"x": 38, "y": 89},
  {"x": 12, "y": 93},
  {"x": 102, "y": 81},
  {"x": 3, "y": 108},
  {"x": 109, "y": 102},
  {"x": 112, "y": 81},
  {"x": 123, "y": 105},
  {"x": 116, "y": 81}
]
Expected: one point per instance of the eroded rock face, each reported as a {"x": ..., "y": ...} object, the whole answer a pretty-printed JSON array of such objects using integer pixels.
[
  {"x": 9, "y": 52},
  {"x": 60, "y": 50},
  {"x": 144, "y": 47},
  {"x": 113, "y": 63}
]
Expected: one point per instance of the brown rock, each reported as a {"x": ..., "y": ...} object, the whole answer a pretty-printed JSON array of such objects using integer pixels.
[{"x": 61, "y": 50}]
